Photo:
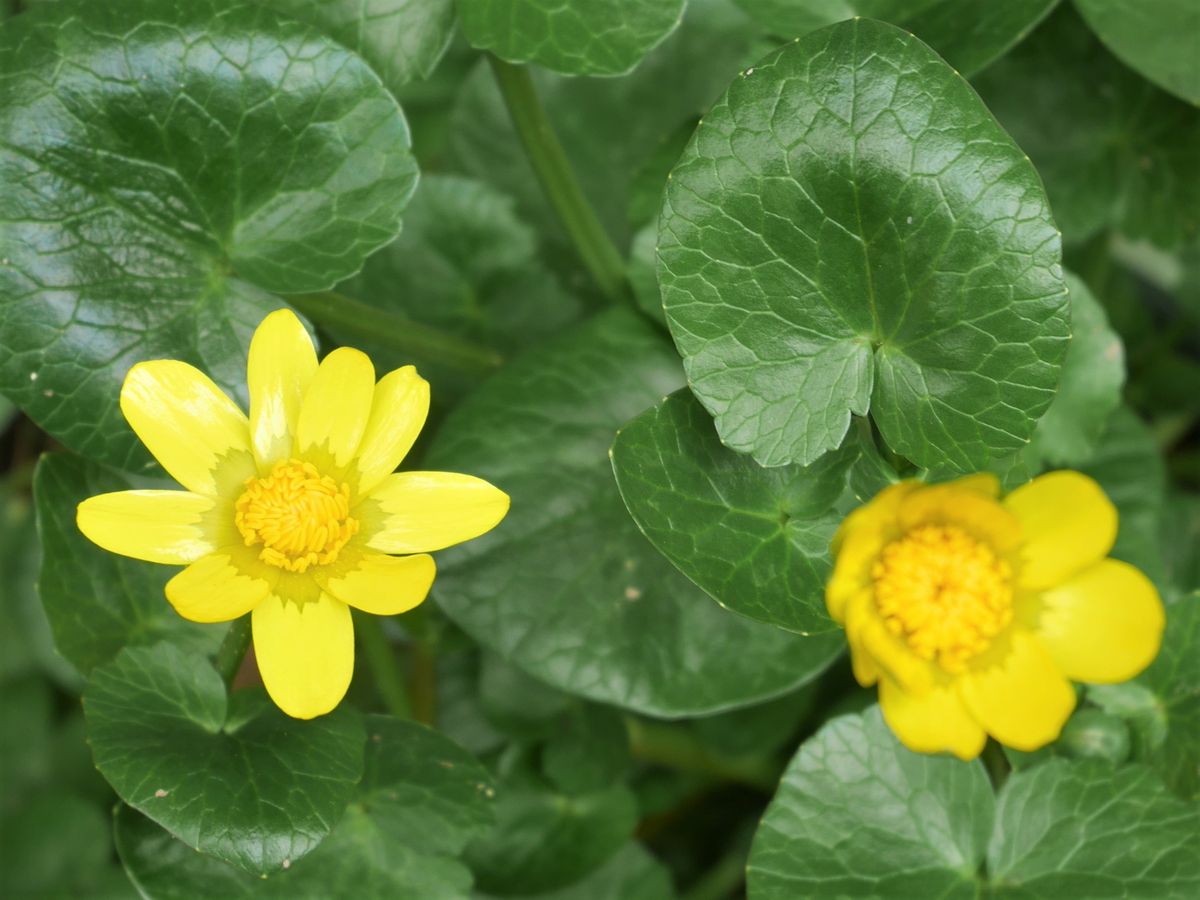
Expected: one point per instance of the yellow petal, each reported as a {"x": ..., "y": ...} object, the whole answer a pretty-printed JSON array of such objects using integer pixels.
[
  {"x": 305, "y": 653},
  {"x": 171, "y": 527},
  {"x": 397, "y": 416},
  {"x": 215, "y": 590},
  {"x": 1018, "y": 694},
  {"x": 383, "y": 585},
  {"x": 334, "y": 412},
  {"x": 968, "y": 507},
  {"x": 1067, "y": 524},
  {"x": 417, "y": 512},
  {"x": 981, "y": 483},
  {"x": 280, "y": 368},
  {"x": 934, "y": 722},
  {"x": 1104, "y": 625},
  {"x": 858, "y": 542},
  {"x": 189, "y": 425},
  {"x": 877, "y": 651}
]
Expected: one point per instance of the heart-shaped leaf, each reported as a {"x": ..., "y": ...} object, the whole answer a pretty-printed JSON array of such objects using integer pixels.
[
  {"x": 849, "y": 229},
  {"x": 421, "y": 799},
  {"x": 236, "y": 778},
  {"x": 755, "y": 539},
  {"x": 566, "y": 587},
  {"x": 101, "y": 602},
  {"x": 576, "y": 37},
  {"x": 162, "y": 166}
]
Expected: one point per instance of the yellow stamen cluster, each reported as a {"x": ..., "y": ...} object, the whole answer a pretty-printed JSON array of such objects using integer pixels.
[
  {"x": 299, "y": 516},
  {"x": 945, "y": 593}
]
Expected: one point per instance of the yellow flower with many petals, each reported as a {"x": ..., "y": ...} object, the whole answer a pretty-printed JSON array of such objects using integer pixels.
[
  {"x": 972, "y": 612},
  {"x": 294, "y": 513}
]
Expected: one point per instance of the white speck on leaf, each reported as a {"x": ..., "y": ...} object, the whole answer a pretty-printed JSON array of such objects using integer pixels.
[
  {"x": 909, "y": 220},
  {"x": 287, "y": 863},
  {"x": 633, "y": 593},
  {"x": 33, "y": 376},
  {"x": 160, "y": 793}
]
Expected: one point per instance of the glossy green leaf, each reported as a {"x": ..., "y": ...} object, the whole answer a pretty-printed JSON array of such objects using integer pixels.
[
  {"x": 1162, "y": 705},
  {"x": 849, "y": 229},
  {"x": 101, "y": 602},
  {"x": 1156, "y": 37},
  {"x": 163, "y": 165},
  {"x": 420, "y": 800},
  {"x": 1128, "y": 465},
  {"x": 566, "y": 587},
  {"x": 1092, "y": 376},
  {"x": 755, "y": 539},
  {"x": 858, "y": 815},
  {"x": 1085, "y": 829},
  {"x": 236, "y": 778},
  {"x": 969, "y": 34},
  {"x": 545, "y": 840},
  {"x": 576, "y": 37},
  {"x": 1111, "y": 148},
  {"x": 633, "y": 874},
  {"x": 401, "y": 39}
]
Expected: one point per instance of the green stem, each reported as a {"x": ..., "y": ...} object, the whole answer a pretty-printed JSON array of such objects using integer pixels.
[
  {"x": 996, "y": 763},
  {"x": 366, "y": 322},
  {"x": 233, "y": 649},
  {"x": 558, "y": 180},
  {"x": 381, "y": 660},
  {"x": 673, "y": 745}
]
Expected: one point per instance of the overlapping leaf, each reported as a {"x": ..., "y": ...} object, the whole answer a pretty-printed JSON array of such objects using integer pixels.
[
  {"x": 1155, "y": 37},
  {"x": 162, "y": 166},
  {"x": 101, "y": 602},
  {"x": 755, "y": 539},
  {"x": 576, "y": 37},
  {"x": 850, "y": 229},
  {"x": 233, "y": 778},
  {"x": 566, "y": 587},
  {"x": 420, "y": 800},
  {"x": 859, "y": 815}
]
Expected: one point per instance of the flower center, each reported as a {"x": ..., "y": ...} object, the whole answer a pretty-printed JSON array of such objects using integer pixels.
[
  {"x": 299, "y": 516},
  {"x": 945, "y": 593}
]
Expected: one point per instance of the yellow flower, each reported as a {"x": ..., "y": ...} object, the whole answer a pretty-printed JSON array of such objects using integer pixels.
[
  {"x": 294, "y": 512},
  {"x": 972, "y": 612}
]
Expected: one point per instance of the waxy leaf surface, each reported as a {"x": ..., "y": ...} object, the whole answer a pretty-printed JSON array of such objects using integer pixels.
[
  {"x": 566, "y": 587},
  {"x": 755, "y": 539},
  {"x": 850, "y": 229},
  {"x": 421, "y": 798},
  {"x": 575, "y": 37},
  {"x": 233, "y": 778},
  {"x": 163, "y": 165},
  {"x": 100, "y": 602}
]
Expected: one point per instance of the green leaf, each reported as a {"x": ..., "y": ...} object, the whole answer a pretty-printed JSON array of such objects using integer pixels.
[
  {"x": 1155, "y": 37},
  {"x": 850, "y": 229},
  {"x": 1085, "y": 829},
  {"x": 233, "y": 778},
  {"x": 101, "y": 602},
  {"x": 57, "y": 845},
  {"x": 575, "y": 37},
  {"x": 1111, "y": 148},
  {"x": 1128, "y": 465},
  {"x": 566, "y": 587},
  {"x": 858, "y": 815},
  {"x": 467, "y": 265},
  {"x": 420, "y": 800},
  {"x": 26, "y": 709},
  {"x": 969, "y": 34},
  {"x": 633, "y": 874},
  {"x": 1162, "y": 705},
  {"x": 1092, "y": 376},
  {"x": 162, "y": 166},
  {"x": 403, "y": 40},
  {"x": 755, "y": 539},
  {"x": 545, "y": 840}
]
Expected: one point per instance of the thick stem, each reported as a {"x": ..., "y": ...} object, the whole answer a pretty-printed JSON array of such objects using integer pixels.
[
  {"x": 381, "y": 660},
  {"x": 672, "y": 745},
  {"x": 554, "y": 171},
  {"x": 233, "y": 649},
  {"x": 412, "y": 338}
]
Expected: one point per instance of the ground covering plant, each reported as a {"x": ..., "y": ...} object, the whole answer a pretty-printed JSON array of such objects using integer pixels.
[{"x": 600, "y": 449}]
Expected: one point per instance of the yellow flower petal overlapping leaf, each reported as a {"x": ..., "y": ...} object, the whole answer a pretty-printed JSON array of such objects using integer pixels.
[
  {"x": 291, "y": 513},
  {"x": 973, "y": 613}
]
